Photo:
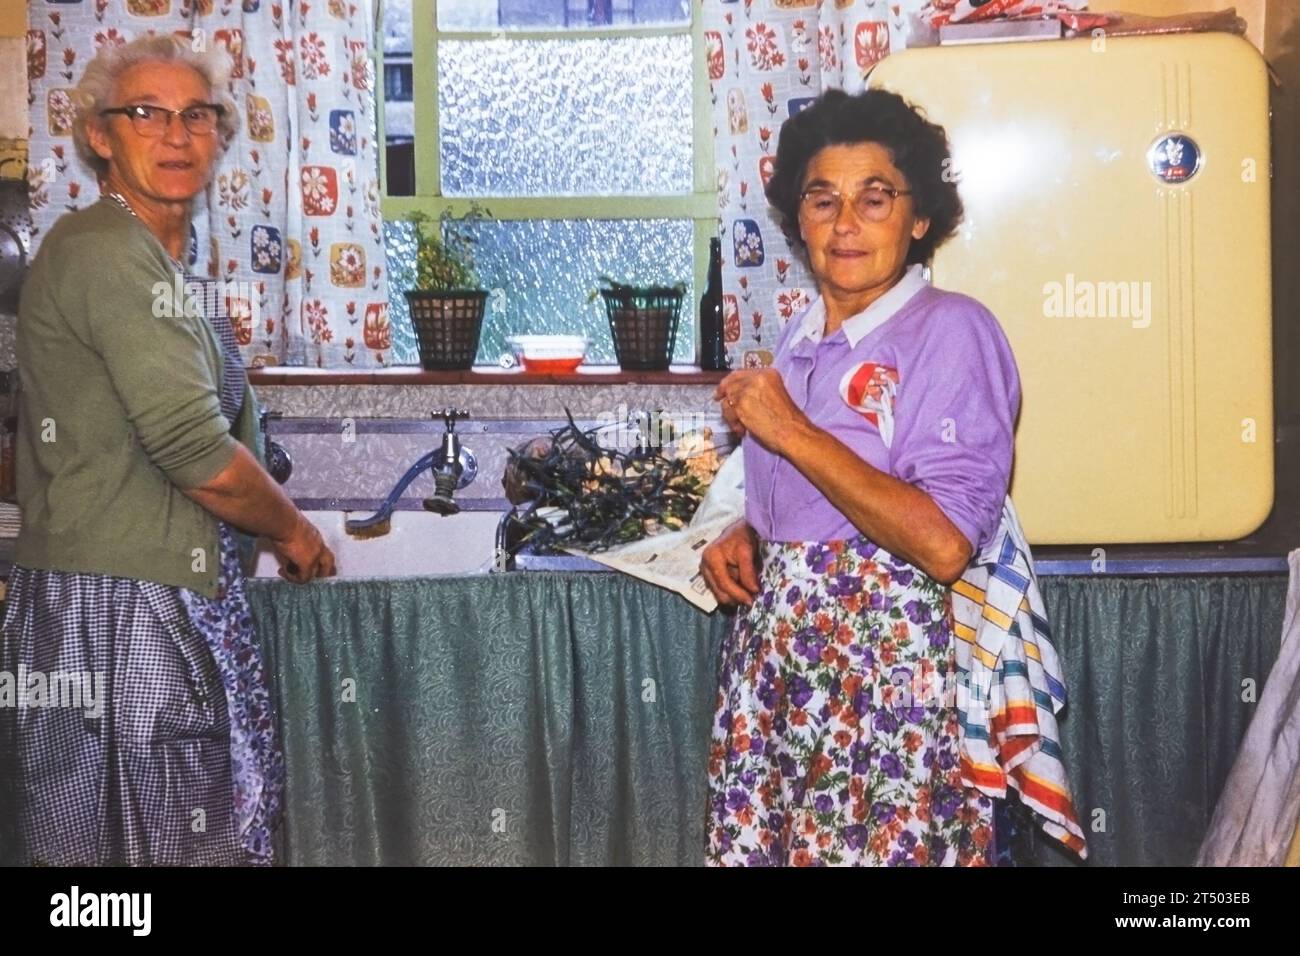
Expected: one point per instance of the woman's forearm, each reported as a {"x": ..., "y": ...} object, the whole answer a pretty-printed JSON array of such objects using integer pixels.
[
  {"x": 247, "y": 497},
  {"x": 898, "y": 516}
]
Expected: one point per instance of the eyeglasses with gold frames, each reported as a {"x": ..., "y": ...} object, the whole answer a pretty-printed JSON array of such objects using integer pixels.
[
  {"x": 201, "y": 119},
  {"x": 873, "y": 203}
]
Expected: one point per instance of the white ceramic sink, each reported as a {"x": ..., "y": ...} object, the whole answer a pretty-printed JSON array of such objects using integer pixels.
[{"x": 419, "y": 543}]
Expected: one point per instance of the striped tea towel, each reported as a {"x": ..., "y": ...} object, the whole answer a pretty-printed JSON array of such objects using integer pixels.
[
  {"x": 11, "y": 520},
  {"x": 1010, "y": 685}
]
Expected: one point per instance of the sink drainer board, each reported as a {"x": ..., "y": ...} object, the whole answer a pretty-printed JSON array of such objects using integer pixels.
[{"x": 418, "y": 544}]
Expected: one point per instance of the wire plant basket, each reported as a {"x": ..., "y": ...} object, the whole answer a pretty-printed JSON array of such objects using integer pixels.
[
  {"x": 447, "y": 326},
  {"x": 643, "y": 323}
]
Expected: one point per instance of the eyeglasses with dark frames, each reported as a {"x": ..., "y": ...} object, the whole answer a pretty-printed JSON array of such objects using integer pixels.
[{"x": 201, "y": 119}]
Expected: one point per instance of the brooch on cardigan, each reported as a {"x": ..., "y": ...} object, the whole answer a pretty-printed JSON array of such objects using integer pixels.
[{"x": 869, "y": 389}]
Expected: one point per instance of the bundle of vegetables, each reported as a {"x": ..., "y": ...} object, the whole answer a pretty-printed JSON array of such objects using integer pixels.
[{"x": 577, "y": 493}]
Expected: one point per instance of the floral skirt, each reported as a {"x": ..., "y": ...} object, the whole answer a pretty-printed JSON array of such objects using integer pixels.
[{"x": 835, "y": 738}]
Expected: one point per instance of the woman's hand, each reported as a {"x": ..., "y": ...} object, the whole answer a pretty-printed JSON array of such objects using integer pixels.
[
  {"x": 247, "y": 497},
  {"x": 303, "y": 555},
  {"x": 730, "y": 565},
  {"x": 755, "y": 401}
]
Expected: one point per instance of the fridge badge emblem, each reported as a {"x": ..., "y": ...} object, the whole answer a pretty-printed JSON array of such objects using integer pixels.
[{"x": 1174, "y": 158}]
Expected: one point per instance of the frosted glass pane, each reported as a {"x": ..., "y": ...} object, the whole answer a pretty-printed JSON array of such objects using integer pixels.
[
  {"x": 557, "y": 14},
  {"x": 545, "y": 270},
  {"x": 399, "y": 243},
  {"x": 397, "y": 26},
  {"x": 581, "y": 117}
]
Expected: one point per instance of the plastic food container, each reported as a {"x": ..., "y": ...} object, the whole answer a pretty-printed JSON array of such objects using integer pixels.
[{"x": 549, "y": 354}]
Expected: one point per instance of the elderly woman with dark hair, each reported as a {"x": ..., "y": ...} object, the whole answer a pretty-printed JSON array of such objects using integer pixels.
[
  {"x": 140, "y": 484},
  {"x": 877, "y": 454}
]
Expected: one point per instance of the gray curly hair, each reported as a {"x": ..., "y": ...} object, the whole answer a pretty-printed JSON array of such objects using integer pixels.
[{"x": 95, "y": 89}]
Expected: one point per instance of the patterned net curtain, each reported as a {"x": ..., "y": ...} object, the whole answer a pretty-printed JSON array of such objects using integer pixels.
[
  {"x": 291, "y": 219},
  {"x": 768, "y": 59}
]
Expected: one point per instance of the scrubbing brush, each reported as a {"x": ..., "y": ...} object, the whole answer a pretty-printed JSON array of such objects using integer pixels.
[{"x": 376, "y": 526}]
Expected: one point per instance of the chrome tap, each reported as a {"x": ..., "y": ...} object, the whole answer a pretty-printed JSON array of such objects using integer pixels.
[
  {"x": 454, "y": 466},
  {"x": 278, "y": 462}
]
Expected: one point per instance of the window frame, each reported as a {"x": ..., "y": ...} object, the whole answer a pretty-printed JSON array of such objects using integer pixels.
[{"x": 699, "y": 206}]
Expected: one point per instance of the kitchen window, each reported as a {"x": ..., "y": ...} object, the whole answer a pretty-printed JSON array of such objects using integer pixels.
[{"x": 583, "y": 126}]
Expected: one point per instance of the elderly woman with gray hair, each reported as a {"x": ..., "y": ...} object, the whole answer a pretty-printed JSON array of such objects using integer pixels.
[{"x": 141, "y": 488}]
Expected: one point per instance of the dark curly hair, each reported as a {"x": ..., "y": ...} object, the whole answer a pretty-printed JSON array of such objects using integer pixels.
[{"x": 917, "y": 147}]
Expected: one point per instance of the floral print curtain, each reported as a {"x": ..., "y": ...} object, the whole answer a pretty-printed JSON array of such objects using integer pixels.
[
  {"x": 767, "y": 59},
  {"x": 291, "y": 220}
]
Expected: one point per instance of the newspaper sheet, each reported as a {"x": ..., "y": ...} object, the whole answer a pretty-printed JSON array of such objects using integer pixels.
[{"x": 671, "y": 559}]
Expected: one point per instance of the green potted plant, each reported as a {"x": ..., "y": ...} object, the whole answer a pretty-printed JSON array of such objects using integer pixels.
[
  {"x": 642, "y": 321},
  {"x": 447, "y": 304}
]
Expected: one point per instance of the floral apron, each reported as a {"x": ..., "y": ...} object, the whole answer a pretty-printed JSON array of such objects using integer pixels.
[{"x": 835, "y": 739}]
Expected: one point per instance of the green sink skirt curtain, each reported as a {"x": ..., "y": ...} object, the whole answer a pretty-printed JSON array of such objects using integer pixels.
[{"x": 563, "y": 718}]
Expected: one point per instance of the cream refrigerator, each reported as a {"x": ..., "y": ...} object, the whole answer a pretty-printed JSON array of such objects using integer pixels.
[{"x": 1117, "y": 224}]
